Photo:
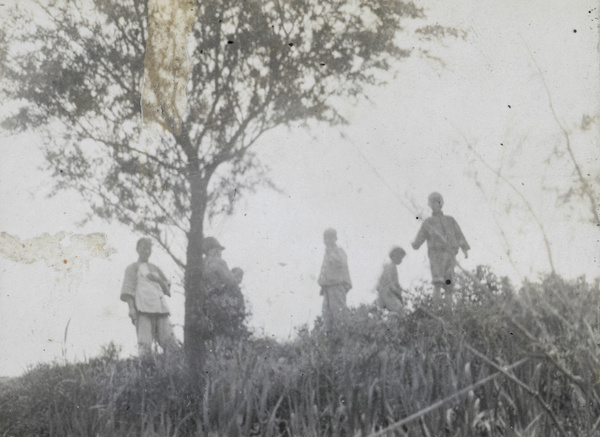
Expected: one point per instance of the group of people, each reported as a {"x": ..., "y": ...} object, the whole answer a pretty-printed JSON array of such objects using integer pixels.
[
  {"x": 444, "y": 239},
  {"x": 145, "y": 285}
]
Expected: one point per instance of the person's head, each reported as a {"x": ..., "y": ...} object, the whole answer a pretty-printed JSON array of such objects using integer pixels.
[
  {"x": 397, "y": 254},
  {"x": 330, "y": 237},
  {"x": 144, "y": 248},
  {"x": 436, "y": 202},
  {"x": 211, "y": 247},
  {"x": 238, "y": 274}
]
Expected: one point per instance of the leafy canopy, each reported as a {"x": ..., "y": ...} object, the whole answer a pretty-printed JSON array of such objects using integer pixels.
[{"x": 75, "y": 70}]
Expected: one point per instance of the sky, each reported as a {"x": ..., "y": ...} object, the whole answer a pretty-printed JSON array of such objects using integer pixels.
[{"x": 408, "y": 140}]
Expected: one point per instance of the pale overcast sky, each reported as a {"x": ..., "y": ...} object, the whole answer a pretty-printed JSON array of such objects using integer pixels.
[{"x": 404, "y": 144}]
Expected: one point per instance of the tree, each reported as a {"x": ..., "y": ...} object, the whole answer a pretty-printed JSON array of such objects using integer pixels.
[{"x": 74, "y": 69}]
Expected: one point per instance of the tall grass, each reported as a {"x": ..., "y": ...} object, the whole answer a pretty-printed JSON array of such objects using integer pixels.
[{"x": 448, "y": 374}]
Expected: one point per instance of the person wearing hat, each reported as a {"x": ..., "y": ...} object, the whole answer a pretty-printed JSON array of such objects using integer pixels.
[
  {"x": 335, "y": 282},
  {"x": 388, "y": 287},
  {"x": 144, "y": 289},
  {"x": 222, "y": 291},
  {"x": 444, "y": 237}
]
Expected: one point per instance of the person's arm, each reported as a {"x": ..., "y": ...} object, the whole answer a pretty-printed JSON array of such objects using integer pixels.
[
  {"x": 129, "y": 283},
  {"x": 158, "y": 276},
  {"x": 340, "y": 266},
  {"x": 133, "y": 312},
  {"x": 336, "y": 257},
  {"x": 128, "y": 291},
  {"x": 396, "y": 289},
  {"x": 335, "y": 264},
  {"x": 420, "y": 238},
  {"x": 462, "y": 241},
  {"x": 397, "y": 292},
  {"x": 322, "y": 280},
  {"x": 395, "y": 283}
]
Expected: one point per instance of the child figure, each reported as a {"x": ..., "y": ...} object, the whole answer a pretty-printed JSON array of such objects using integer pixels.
[
  {"x": 236, "y": 294},
  {"x": 238, "y": 275},
  {"x": 444, "y": 238},
  {"x": 388, "y": 288}
]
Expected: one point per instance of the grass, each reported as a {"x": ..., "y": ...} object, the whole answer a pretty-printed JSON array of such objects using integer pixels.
[{"x": 503, "y": 362}]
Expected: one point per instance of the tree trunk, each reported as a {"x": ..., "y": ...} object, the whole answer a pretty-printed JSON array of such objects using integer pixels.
[{"x": 195, "y": 324}]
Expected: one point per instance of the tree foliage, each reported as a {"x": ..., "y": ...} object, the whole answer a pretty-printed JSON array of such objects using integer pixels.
[
  {"x": 256, "y": 65},
  {"x": 74, "y": 71}
]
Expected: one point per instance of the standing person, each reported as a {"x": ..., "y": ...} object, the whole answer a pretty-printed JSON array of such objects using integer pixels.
[
  {"x": 388, "y": 288},
  {"x": 334, "y": 280},
  {"x": 144, "y": 289},
  {"x": 444, "y": 237},
  {"x": 221, "y": 290},
  {"x": 237, "y": 305}
]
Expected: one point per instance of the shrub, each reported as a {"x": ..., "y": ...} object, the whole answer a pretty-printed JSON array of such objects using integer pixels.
[{"x": 376, "y": 371}]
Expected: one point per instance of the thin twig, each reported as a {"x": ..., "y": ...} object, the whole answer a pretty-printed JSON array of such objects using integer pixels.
[
  {"x": 584, "y": 183},
  {"x": 517, "y": 192}
]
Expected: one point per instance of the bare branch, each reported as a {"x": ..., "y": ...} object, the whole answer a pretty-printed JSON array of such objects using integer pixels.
[
  {"x": 518, "y": 193},
  {"x": 587, "y": 190}
]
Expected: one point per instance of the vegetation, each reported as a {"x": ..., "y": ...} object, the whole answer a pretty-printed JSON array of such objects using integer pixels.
[{"x": 503, "y": 362}]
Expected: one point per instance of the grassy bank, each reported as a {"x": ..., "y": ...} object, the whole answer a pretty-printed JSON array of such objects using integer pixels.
[{"x": 503, "y": 362}]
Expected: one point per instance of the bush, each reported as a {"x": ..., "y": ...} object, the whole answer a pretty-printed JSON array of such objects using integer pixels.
[{"x": 374, "y": 372}]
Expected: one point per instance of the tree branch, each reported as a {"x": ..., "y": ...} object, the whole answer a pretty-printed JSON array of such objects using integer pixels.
[
  {"x": 582, "y": 180},
  {"x": 518, "y": 193}
]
